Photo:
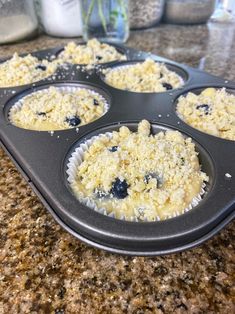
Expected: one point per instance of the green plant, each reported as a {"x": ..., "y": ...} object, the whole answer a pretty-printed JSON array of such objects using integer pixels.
[{"x": 120, "y": 9}]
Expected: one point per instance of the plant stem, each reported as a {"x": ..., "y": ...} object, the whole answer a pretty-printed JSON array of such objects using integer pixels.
[
  {"x": 123, "y": 8},
  {"x": 101, "y": 15},
  {"x": 89, "y": 12}
]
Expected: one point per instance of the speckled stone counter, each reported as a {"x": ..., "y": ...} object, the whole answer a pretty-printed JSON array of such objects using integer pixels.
[{"x": 45, "y": 270}]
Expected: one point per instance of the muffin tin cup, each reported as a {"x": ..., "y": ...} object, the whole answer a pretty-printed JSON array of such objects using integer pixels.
[
  {"x": 45, "y": 54},
  {"x": 119, "y": 48},
  {"x": 42, "y": 157},
  {"x": 63, "y": 87},
  {"x": 75, "y": 160},
  {"x": 197, "y": 91},
  {"x": 183, "y": 75}
]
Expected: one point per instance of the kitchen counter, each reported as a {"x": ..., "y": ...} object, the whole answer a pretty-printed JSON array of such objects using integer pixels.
[{"x": 45, "y": 270}]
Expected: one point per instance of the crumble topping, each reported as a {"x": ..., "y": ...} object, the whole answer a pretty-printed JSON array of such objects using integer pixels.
[
  {"x": 24, "y": 70},
  {"x": 212, "y": 112},
  {"x": 57, "y": 109},
  {"x": 139, "y": 175},
  {"x": 93, "y": 52},
  {"x": 147, "y": 76}
]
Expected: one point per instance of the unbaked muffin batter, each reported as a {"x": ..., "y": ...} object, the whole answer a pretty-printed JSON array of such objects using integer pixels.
[
  {"x": 58, "y": 109},
  {"x": 94, "y": 52},
  {"x": 147, "y": 76},
  {"x": 24, "y": 70},
  {"x": 139, "y": 175},
  {"x": 212, "y": 111}
]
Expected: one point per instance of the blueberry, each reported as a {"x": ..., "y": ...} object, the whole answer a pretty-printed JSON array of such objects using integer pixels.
[
  {"x": 161, "y": 75},
  {"x": 41, "y": 114},
  {"x": 153, "y": 175},
  {"x": 99, "y": 58},
  {"x": 113, "y": 149},
  {"x": 41, "y": 67},
  {"x": 73, "y": 121},
  {"x": 95, "y": 102},
  {"x": 119, "y": 188},
  {"x": 59, "y": 311},
  {"x": 204, "y": 107},
  {"x": 167, "y": 86}
]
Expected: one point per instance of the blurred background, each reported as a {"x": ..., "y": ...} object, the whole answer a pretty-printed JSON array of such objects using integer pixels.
[
  {"x": 108, "y": 20},
  {"x": 187, "y": 31}
]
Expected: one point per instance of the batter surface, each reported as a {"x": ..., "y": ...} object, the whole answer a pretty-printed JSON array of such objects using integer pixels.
[
  {"x": 58, "y": 109},
  {"x": 147, "y": 76},
  {"x": 24, "y": 70},
  {"x": 93, "y": 52},
  {"x": 212, "y": 111},
  {"x": 138, "y": 175}
]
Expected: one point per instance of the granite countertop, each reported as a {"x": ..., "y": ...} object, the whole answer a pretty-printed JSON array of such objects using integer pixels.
[{"x": 45, "y": 270}]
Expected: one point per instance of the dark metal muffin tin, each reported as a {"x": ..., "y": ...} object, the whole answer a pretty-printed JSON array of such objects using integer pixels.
[{"x": 42, "y": 158}]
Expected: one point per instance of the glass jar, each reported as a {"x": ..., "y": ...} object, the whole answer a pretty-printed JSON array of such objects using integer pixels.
[
  {"x": 188, "y": 11},
  {"x": 17, "y": 20},
  {"x": 61, "y": 18},
  {"x": 225, "y": 11},
  {"x": 145, "y": 14},
  {"x": 106, "y": 20}
]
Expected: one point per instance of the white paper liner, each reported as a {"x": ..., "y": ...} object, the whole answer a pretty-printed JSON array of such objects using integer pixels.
[
  {"x": 120, "y": 67},
  {"x": 77, "y": 158},
  {"x": 69, "y": 89}
]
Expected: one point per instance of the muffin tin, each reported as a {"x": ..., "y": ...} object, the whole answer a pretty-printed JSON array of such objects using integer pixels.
[{"x": 42, "y": 158}]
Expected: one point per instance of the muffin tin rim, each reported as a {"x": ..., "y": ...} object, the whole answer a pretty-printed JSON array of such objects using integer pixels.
[
  {"x": 156, "y": 252},
  {"x": 201, "y": 88},
  {"x": 134, "y": 123}
]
